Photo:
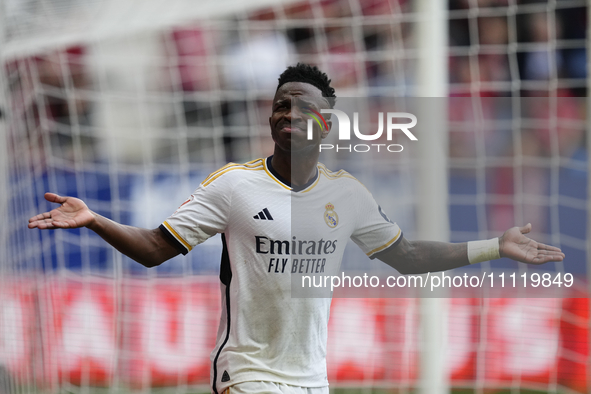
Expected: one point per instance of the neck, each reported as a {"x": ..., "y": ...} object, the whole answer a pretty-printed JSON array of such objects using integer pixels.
[{"x": 298, "y": 168}]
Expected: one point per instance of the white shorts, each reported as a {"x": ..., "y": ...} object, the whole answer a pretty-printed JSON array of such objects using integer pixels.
[{"x": 272, "y": 388}]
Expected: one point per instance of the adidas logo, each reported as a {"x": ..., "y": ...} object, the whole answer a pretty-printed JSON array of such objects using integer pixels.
[
  {"x": 225, "y": 377},
  {"x": 264, "y": 215}
]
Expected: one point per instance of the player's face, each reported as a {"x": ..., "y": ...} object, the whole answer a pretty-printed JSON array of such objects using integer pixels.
[{"x": 289, "y": 118}]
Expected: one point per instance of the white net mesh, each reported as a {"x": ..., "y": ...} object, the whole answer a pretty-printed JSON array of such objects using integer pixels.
[{"x": 129, "y": 105}]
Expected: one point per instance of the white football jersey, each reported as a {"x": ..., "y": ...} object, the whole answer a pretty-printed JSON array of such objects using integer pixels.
[{"x": 270, "y": 231}]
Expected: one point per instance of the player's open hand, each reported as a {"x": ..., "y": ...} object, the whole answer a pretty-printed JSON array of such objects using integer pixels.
[
  {"x": 515, "y": 245},
  {"x": 72, "y": 213}
]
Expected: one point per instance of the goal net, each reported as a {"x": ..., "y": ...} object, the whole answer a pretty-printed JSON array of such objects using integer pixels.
[{"x": 129, "y": 105}]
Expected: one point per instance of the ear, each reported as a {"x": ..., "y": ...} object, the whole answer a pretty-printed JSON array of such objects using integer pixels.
[{"x": 325, "y": 132}]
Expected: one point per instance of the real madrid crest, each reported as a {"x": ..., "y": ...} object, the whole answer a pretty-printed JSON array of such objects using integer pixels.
[{"x": 330, "y": 216}]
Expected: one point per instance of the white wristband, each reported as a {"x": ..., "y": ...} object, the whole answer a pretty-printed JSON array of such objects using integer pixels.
[{"x": 479, "y": 251}]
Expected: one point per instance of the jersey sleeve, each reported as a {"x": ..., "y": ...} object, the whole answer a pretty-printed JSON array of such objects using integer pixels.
[
  {"x": 374, "y": 231},
  {"x": 204, "y": 214}
]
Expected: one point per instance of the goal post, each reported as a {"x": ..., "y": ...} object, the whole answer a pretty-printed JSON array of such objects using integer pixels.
[{"x": 432, "y": 210}]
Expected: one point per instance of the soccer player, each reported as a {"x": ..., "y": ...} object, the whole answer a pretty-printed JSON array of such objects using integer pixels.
[{"x": 282, "y": 215}]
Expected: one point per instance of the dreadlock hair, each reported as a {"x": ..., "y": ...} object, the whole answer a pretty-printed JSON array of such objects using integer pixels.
[{"x": 306, "y": 73}]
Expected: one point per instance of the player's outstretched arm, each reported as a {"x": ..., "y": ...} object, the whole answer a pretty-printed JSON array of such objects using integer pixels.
[
  {"x": 148, "y": 247},
  {"x": 418, "y": 257}
]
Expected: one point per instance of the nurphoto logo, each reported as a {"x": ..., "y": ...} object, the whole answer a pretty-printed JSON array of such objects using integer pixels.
[{"x": 345, "y": 130}]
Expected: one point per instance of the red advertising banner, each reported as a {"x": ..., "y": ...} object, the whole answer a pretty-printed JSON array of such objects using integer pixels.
[
  {"x": 78, "y": 331},
  {"x": 574, "y": 334},
  {"x": 17, "y": 327},
  {"x": 171, "y": 332},
  {"x": 92, "y": 331}
]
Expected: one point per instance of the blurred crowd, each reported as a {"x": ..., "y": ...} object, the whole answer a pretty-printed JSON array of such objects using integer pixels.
[
  {"x": 536, "y": 51},
  {"x": 497, "y": 48}
]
